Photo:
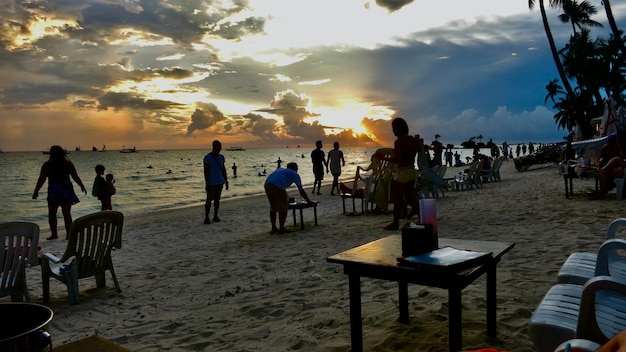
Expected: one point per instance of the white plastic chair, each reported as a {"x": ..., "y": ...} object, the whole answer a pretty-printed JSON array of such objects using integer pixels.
[
  {"x": 20, "y": 245},
  {"x": 581, "y": 266},
  {"x": 595, "y": 311},
  {"x": 91, "y": 239}
]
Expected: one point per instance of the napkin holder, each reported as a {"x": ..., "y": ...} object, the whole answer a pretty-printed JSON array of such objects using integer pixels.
[{"x": 418, "y": 239}]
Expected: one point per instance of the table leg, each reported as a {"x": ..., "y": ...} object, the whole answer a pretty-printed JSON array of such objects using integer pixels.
[
  {"x": 356, "y": 327},
  {"x": 315, "y": 214},
  {"x": 294, "y": 216},
  {"x": 454, "y": 320},
  {"x": 403, "y": 302},
  {"x": 491, "y": 301},
  {"x": 301, "y": 220}
]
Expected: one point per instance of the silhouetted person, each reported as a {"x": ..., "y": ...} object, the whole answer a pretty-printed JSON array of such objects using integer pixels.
[
  {"x": 214, "y": 180},
  {"x": 335, "y": 161},
  {"x": 276, "y": 186},
  {"x": 58, "y": 170},
  {"x": 318, "y": 158}
]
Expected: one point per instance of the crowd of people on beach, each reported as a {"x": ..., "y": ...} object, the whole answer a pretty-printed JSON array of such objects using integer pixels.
[{"x": 58, "y": 170}]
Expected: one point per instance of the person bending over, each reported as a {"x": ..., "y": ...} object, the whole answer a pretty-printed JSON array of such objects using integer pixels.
[{"x": 276, "y": 186}]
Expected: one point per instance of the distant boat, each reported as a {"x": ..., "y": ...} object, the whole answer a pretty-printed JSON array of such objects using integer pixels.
[
  {"x": 94, "y": 149},
  {"x": 128, "y": 150},
  {"x": 104, "y": 148},
  {"x": 77, "y": 149},
  {"x": 235, "y": 149}
]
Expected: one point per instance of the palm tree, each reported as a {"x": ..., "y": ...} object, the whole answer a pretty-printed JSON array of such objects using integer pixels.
[
  {"x": 566, "y": 116},
  {"x": 579, "y": 14},
  {"x": 553, "y": 89},
  {"x": 555, "y": 54}
]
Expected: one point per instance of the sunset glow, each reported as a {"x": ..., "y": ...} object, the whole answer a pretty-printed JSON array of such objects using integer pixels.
[{"x": 271, "y": 73}]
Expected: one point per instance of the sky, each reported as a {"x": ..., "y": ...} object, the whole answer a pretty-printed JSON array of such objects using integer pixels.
[{"x": 178, "y": 74}]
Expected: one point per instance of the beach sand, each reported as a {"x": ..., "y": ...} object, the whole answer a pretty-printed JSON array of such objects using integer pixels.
[{"x": 231, "y": 286}]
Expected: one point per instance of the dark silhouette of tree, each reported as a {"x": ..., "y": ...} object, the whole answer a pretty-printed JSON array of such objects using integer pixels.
[
  {"x": 553, "y": 89},
  {"x": 579, "y": 14}
]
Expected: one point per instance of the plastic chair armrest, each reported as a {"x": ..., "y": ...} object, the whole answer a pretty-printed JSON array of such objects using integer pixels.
[
  {"x": 607, "y": 251},
  {"x": 51, "y": 258}
]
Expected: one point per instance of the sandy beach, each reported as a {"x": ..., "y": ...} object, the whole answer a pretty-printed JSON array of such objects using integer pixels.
[{"x": 231, "y": 286}]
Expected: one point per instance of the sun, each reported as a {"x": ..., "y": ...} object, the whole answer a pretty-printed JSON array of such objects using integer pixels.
[{"x": 360, "y": 129}]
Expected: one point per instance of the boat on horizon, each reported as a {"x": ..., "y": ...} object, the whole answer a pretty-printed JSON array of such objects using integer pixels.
[
  {"x": 235, "y": 149},
  {"x": 128, "y": 150}
]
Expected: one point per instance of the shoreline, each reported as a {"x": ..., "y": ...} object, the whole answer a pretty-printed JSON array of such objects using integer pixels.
[{"x": 231, "y": 286}]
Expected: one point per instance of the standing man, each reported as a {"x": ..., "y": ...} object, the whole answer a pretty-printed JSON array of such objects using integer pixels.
[
  {"x": 335, "y": 160},
  {"x": 276, "y": 186},
  {"x": 319, "y": 161},
  {"x": 437, "y": 151},
  {"x": 214, "y": 180}
]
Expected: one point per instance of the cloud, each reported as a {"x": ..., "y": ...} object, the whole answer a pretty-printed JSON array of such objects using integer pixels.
[
  {"x": 393, "y": 5},
  {"x": 206, "y": 116},
  {"x": 118, "y": 101},
  {"x": 293, "y": 109},
  {"x": 261, "y": 127}
]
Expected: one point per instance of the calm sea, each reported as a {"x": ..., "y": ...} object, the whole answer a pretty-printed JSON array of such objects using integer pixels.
[{"x": 150, "y": 180}]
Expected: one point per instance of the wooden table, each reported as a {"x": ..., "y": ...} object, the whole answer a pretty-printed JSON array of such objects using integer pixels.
[
  {"x": 300, "y": 206},
  {"x": 378, "y": 259}
]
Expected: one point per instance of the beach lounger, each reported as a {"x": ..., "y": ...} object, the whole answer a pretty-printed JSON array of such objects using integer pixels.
[
  {"x": 20, "y": 240},
  {"x": 581, "y": 266},
  {"x": 88, "y": 254}
]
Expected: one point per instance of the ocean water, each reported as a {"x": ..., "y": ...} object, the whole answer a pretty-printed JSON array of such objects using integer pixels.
[{"x": 151, "y": 180}]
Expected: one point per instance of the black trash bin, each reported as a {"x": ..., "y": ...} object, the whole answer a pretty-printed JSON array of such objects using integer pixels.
[{"x": 23, "y": 327}]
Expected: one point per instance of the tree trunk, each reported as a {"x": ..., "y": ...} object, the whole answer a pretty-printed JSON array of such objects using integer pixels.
[
  {"x": 609, "y": 16},
  {"x": 555, "y": 53}
]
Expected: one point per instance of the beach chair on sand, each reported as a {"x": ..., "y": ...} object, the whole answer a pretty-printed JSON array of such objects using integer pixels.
[
  {"x": 590, "y": 300},
  {"x": 582, "y": 266},
  {"x": 20, "y": 241},
  {"x": 88, "y": 254},
  {"x": 357, "y": 191},
  {"x": 490, "y": 175},
  {"x": 595, "y": 311},
  {"x": 429, "y": 180},
  {"x": 377, "y": 182},
  {"x": 467, "y": 180}
]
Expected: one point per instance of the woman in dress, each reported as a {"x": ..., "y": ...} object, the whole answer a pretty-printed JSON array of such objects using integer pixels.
[{"x": 58, "y": 170}]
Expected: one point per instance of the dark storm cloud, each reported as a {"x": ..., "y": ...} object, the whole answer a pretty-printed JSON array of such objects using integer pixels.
[
  {"x": 393, "y": 5},
  {"x": 204, "y": 117},
  {"x": 119, "y": 101},
  {"x": 259, "y": 126},
  {"x": 39, "y": 93},
  {"x": 185, "y": 22}
]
